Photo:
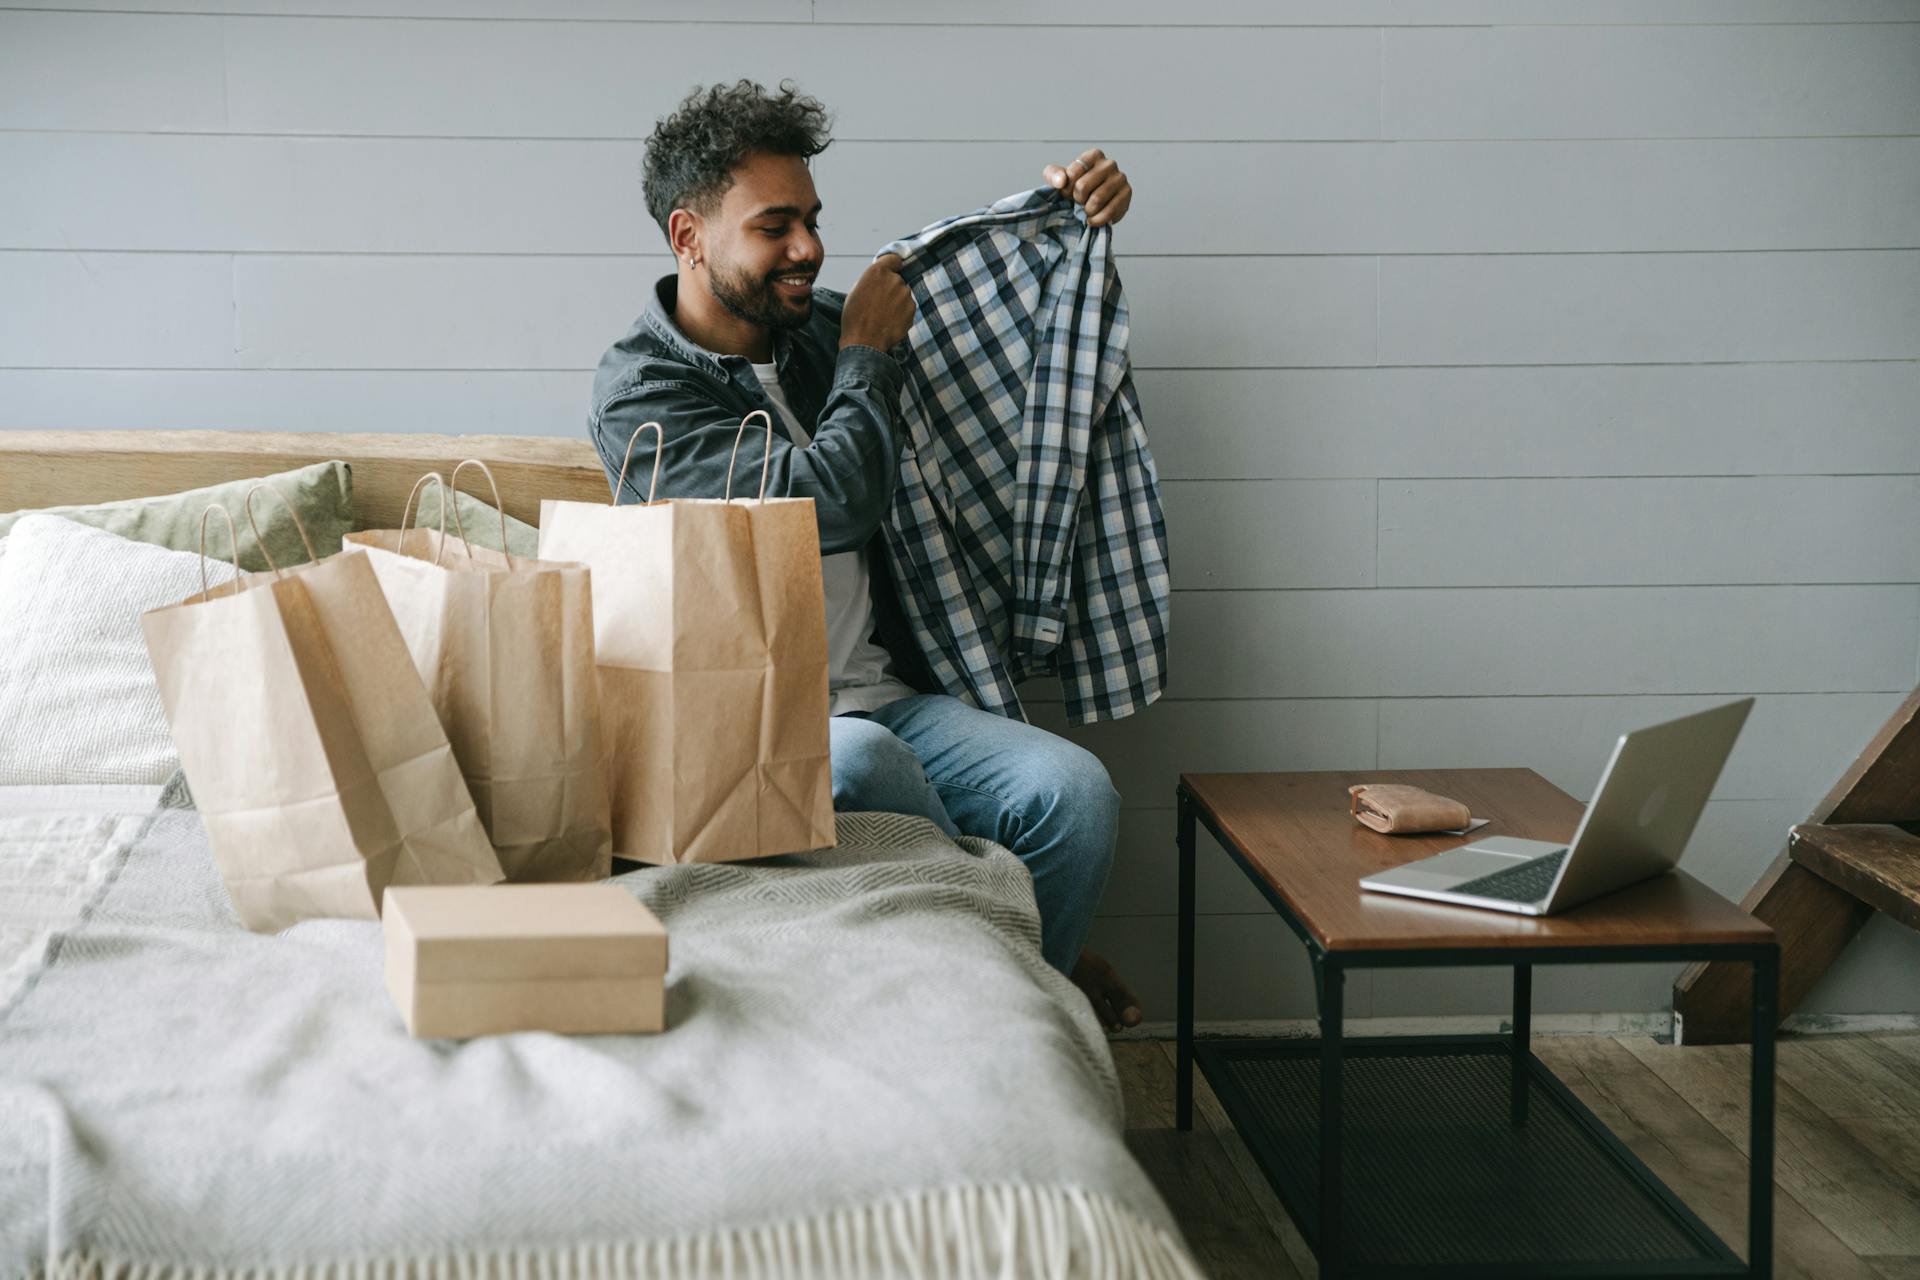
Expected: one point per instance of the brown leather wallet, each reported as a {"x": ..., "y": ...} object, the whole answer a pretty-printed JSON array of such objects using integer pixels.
[{"x": 1394, "y": 808}]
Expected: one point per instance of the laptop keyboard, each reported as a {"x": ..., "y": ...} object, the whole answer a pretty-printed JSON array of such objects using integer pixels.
[{"x": 1524, "y": 882}]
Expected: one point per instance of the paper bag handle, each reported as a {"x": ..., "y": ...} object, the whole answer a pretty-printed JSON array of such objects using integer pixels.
[
  {"x": 659, "y": 447},
  {"x": 233, "y": 542},
  {"x": 406, "y": 517},
  {"x": 261, "y": 542},
  {"x": 406, "y": 511},
  {"x": 765, "y": 462},
  {"x": 447, "y": 499},
  {"x": 454, "y": 484}
]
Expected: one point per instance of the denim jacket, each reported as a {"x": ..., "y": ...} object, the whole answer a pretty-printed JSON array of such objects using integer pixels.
[{"x": 658, "y": 374}]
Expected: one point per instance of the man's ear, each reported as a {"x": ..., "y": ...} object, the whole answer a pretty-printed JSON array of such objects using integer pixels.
[{"x": 686, "y": 233}]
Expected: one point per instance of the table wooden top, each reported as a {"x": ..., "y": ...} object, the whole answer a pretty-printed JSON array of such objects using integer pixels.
[{"x": 1296, "y": 831}]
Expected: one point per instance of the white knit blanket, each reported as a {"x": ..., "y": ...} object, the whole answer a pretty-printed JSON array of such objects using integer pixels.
[
  {"x": 57, "y": 847},
  {"x": 868, "y": 1069}
]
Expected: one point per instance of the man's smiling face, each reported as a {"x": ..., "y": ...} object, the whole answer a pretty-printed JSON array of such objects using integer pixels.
[{"x": 763, "y": 243}]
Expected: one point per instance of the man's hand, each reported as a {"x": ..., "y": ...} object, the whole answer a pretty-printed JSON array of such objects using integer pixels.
[
  {"x": 879, "y": 310},
  {"x": 1096, "y": 182}
]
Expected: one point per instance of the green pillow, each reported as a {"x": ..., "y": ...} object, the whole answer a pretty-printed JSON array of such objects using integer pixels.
[
  {"x": 481, "y": 523},
  {"x": 321, "y": 493}
]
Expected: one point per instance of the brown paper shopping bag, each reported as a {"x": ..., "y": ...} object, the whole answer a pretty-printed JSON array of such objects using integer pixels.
[
  {"x": 314, "y": 755},
  {"x": 709, "y": 626},
  {"x": 505, "y": 646}
]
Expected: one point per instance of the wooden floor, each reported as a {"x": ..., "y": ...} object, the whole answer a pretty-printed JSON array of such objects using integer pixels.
[{"x": 1847, "y": 1170}]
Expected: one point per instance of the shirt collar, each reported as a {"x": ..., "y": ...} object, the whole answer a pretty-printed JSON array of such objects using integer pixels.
[{"x": 659, "y": 317}]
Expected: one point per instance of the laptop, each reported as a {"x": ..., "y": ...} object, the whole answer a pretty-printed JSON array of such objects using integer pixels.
[{"x": 1650, "y": 796}]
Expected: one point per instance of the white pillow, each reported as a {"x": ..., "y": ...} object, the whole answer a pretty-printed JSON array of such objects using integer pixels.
[{"x": 78, "y": 702}]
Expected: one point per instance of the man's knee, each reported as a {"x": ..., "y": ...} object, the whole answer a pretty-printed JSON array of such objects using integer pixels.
[
  {"x": 1075, "y": 792},
  {"x": 872, "y": 768},
  {"x": 1089, "y": 787}
]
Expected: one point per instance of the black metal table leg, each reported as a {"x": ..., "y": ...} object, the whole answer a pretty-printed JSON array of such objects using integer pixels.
[
  {"x": 1766, "y": 1001},
  {"x": 1522, "y": 1032},
  {"x": 1183, "y": 1057},
  {"x": 1331, "y": 981}
]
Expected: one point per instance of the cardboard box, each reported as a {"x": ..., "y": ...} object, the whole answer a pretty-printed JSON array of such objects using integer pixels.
[{"x": 474, "y": 960}]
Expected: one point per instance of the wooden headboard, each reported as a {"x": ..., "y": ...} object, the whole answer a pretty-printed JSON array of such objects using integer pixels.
[{"x": 61, "y": 468}]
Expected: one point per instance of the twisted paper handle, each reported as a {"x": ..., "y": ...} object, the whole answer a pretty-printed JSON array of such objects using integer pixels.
[
  {"x": 487, "y": 471},
  {"x": 659, "y": 446},
  {"x": 233, "y": 543},
  {"x": 266, "y": 555},
  {"x": 766, "y": 462}
]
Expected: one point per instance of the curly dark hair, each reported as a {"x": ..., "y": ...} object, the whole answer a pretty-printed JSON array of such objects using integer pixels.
[{"x": 692, "y": 152}]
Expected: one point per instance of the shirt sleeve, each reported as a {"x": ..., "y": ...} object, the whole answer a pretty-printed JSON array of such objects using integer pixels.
[{"x": 849, "y": 470}]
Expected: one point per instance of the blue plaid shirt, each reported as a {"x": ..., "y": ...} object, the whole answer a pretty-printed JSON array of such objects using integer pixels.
[{"x": 1025, "y": 532}]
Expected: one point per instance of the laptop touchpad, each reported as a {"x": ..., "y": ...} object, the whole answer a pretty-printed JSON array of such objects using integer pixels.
[{"x": 1453, "y": 868}]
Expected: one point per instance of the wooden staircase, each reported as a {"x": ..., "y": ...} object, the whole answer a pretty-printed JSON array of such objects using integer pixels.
[
  {"x": 1857, "y": 853},
  {"x": 1875, "y": 862}
]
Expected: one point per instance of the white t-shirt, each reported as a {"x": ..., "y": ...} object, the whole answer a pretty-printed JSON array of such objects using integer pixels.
[{"x": 858, "y": 675}]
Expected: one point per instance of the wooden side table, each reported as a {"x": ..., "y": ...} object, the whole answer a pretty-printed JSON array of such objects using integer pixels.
[{"x": 1454, "y": 1156}]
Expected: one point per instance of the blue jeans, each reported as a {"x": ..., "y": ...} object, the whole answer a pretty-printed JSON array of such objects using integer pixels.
[{"x": 979, "y": 774}]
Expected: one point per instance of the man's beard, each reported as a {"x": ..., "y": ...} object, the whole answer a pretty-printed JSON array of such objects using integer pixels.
[{"x": 755, "y": 300}]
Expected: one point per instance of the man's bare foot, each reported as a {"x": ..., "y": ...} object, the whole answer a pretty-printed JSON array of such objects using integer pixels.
[{"x": 1112, "y": 999}]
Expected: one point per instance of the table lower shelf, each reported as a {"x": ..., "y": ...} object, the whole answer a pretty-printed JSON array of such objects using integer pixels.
[{"x": 1439, "y": 1181}]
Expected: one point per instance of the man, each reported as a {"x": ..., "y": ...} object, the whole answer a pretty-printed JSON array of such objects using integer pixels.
[{"x": 740, "y": 326}]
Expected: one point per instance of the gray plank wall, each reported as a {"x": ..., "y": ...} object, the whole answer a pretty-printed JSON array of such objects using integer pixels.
[{"x": 1518, "y": 372}]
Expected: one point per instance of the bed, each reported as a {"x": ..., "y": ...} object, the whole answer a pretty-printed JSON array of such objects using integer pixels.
[{"x": 868, "y": 1068}]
